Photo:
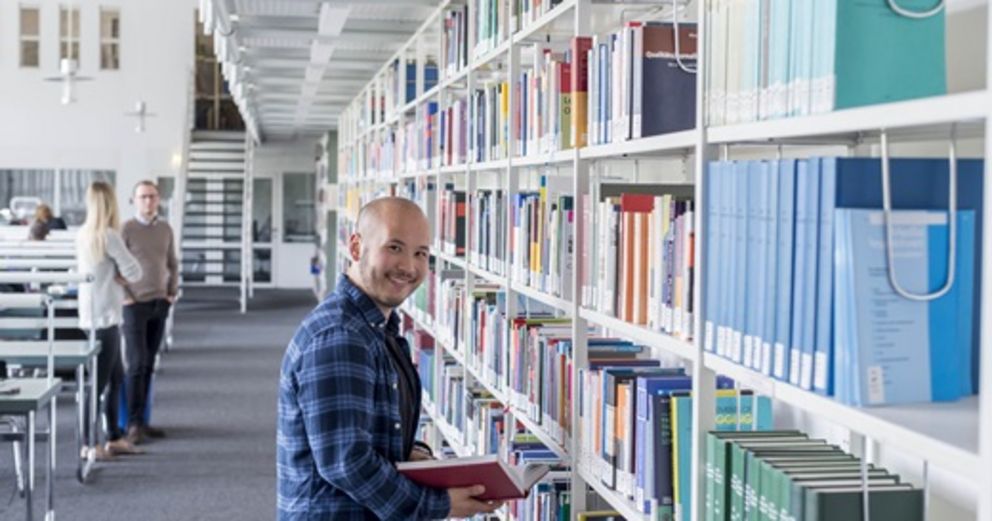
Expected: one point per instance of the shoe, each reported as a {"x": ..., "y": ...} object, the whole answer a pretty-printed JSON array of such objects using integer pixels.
[
  {"x": 97, "y": 453},
  {"x": 152, "y": 432},
  {"x": 135, "y": 435},
  {"x": 121, "y": 446}
]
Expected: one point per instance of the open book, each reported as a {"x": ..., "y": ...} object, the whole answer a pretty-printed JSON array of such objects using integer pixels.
[{"x": 502, "y": 481}]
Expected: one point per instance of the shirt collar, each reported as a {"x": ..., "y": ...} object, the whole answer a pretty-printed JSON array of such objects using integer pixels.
[
  {"x": 370, "y": 312},
  {"x": 142, "y": 220}
]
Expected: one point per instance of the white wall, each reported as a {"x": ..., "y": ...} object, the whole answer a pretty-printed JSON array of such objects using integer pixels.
[{"x": 157, "y": 53}]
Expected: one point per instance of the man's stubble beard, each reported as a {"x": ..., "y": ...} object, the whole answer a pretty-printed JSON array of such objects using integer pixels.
[{"x": 370, "y": 279}]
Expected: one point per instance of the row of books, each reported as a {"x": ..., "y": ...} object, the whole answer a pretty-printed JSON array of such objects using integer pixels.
[
  {"x": 796, "y": 279},
  {"x": 497, "y": 19},
  {"x": 484, "y": 431},
  {"x": 528, "y": 357},
  {"x": 787, "y": 475},
  {"x": 637, "y": 420},
  {"x": 799, "y": 57},
  {"x": 550, "y": 500},
  {"x": 641, "y": 82},
  {"x": 542, "y": 238},
  {"x": 453, "y": 142},
  {"x": 542, "y": 111},
  {"x": 490, "y": 126},
  {"x": 487, "y": 238},
  {"x": 638, "y": 260},
  {"x": 593, "y": 91},
  {"x": 452, "y": 224},
  {"x": 454, "y": 40},
  {"x": 769, "y": 60},
  {"x": 401, "y": 81}
]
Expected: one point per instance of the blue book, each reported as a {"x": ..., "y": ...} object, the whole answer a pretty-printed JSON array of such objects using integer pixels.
[
  {"x": 918, "y": 184},
  {"x": 801, "y": 285},
  {"x": 823, "y": 340},
  {"x": 902, "y": 350},
  {"x": 740, "y": 260},
  {"x": 812, "y": 209},
  {"x": 711, "y": 256},
  {"x": 753, "y": 284},
  {"x": 648, "y": 459},
  {"x": 843, "y": 311},
  {"x": 786, "y": 262},
  {"x": 726, "y": 238},
  {"x": 771, "y": 269}
]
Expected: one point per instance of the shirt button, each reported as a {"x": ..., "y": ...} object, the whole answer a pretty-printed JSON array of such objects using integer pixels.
[
  {"x": 397, "y": 426},
  {"x": 394, "y": 386}
]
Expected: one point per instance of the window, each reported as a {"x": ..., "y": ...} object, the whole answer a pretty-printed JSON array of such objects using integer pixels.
[
  {"x": 71, "y": 197},
  {"x": 69, "y": 33},
  {"x": 30, "y": 41},
  {"x": 63, "y": 189},
  {"x": 298, "y": 207},
  {"x": 110, "y": 39},
  {"x": 166, "y": 187}
]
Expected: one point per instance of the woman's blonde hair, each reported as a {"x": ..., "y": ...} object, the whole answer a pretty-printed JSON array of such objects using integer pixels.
[{"x": 101, "y": 215}]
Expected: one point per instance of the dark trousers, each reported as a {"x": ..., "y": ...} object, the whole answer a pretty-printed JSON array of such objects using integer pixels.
[
  {"x": 109, "y": 376},
  {"x": 144, "y": 327}
]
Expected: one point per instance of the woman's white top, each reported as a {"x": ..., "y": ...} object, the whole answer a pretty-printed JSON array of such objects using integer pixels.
[{"x": 101, "y": 301}]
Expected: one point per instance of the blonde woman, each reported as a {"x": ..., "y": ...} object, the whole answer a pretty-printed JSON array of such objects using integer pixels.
[{"x": 102, "y": 252}]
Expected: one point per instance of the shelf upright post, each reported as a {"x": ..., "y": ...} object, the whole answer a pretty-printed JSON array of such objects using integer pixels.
[
  {"x": 580, "y": 349},
  {"x": 704, "y": 380},
  {"x": 472, "y": 181},
  {"x": 512, "y": 177},
  {"x": 418, "y": 66},
  {"x": 985, "y": 335}
]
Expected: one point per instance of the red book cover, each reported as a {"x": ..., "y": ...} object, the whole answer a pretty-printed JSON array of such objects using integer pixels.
[{"x": 502, "y": 481}]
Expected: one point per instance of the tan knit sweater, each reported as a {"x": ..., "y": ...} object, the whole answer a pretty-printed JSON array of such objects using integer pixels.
[{"x": 154, "y": 247}]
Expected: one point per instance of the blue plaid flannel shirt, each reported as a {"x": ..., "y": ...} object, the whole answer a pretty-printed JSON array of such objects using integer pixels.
[{"x": 339, "y": 426}]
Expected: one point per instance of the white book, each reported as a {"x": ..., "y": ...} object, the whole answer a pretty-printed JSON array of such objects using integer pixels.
[{"x": 637, "y": 80}]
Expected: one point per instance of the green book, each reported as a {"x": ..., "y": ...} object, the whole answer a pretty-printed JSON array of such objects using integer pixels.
[
  {"x": 780, "y": 496},
  {"x": 742, "y": 493},
  {"x": 772, "y": 475},
  {"x": 798, "y": 488},
  {"x": 900, "y": 502},
  {"x": 717, "y": 465}
]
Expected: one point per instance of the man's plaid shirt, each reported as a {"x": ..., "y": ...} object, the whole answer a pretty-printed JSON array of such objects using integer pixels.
[{"x": 339, "y": 426}]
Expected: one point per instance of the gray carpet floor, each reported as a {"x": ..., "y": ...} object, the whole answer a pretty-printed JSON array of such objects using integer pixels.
[{"x": 215, "y": 396}]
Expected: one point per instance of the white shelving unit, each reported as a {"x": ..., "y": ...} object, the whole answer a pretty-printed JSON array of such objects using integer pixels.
[{"x": 956, "y": 437}]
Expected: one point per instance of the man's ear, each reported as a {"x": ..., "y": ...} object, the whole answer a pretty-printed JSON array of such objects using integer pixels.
[{"x": 355, "y": 246}]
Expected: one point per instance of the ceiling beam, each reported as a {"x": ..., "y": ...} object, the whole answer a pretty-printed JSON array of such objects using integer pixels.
[{"x": 386, "y": 36}]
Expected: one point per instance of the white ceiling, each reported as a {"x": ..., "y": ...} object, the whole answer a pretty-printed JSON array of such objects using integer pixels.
[{"x": 293, "y": 65}]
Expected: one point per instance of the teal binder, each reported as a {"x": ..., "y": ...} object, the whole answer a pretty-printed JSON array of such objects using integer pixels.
[{"x": 882, "y": 57}]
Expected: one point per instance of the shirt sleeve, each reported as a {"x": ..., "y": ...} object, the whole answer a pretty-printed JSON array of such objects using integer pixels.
[
  {"x": 336, "y": 392},
  {"x": 172, "y": 264},
  {"x": 127, "y": 265}
]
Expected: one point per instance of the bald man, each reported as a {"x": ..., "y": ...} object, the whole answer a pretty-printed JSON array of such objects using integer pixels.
[{"x": 349, "y": 395}]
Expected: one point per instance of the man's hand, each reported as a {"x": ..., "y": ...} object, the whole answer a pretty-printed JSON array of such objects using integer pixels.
[
  {"x": 419, "y": 454},
  {"x": 171, "y": 299},
  {"x": 464, "y": 504}
]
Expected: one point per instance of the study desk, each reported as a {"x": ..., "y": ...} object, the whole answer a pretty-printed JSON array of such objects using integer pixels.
[
  {"x": 68, "y": 354},
  {"x": 33, "y": 395}
]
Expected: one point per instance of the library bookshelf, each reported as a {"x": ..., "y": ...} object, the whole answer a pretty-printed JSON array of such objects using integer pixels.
[{"x": 956, "y": 437}]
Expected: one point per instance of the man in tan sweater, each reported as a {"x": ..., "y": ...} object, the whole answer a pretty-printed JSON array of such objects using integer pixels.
[{"x": 151, "y": 242}]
